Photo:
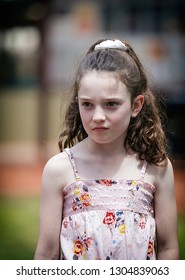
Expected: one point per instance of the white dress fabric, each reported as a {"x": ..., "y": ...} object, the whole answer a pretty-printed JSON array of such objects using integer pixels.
[{"x": 108, "y": 219}]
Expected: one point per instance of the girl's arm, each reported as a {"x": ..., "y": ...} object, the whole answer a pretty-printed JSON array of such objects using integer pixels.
[
  {"x": 166, "y": 215},
  {"x": 51, "y": 202}
]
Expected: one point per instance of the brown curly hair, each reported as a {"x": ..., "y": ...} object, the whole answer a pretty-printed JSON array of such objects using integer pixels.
[{"x": 145, "y": 134}]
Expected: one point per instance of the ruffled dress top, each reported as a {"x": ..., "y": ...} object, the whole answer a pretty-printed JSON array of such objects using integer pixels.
[{"x": 108, "y": 218}]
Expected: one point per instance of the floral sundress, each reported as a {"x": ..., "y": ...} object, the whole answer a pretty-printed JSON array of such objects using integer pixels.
[{"x": 108, "y": 219}]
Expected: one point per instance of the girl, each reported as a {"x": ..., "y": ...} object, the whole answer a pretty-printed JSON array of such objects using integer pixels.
[{"x": 109, "y": 194}]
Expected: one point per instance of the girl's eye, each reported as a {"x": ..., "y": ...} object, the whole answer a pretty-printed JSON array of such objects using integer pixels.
[
  {"x": 87, "y": 104},
  {"x": 112, "y": 104}
]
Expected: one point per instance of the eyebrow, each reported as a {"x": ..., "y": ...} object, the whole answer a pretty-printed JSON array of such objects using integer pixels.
[{"x": 106, "y": 99}]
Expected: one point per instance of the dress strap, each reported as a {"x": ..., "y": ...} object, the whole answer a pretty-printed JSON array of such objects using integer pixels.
[
  {"x": 143, "y": 170},
  {"x": 72, "y": 160}
]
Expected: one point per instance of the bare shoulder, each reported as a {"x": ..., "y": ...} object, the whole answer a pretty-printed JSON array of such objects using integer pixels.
[
  {"x": 162, "y": 174},
  {"x": 56, "y": 170},
  {"x": 56, "y": 163}
]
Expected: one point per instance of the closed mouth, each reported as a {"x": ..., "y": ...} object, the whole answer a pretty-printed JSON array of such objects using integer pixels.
[{"x": 100, "y": 128}]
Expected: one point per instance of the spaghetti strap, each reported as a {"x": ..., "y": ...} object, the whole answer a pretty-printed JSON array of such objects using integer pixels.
[
  {"x": 143, "y": 170},
  {"x": 72, "y": 160}
]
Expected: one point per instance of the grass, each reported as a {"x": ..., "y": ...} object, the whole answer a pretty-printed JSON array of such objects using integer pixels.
[
  {"x": 19, "y": 229},
  {"x": 181, "y": 236}
]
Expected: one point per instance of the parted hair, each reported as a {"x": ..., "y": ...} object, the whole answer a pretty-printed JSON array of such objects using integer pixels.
[{"x": 145, "y": 134}]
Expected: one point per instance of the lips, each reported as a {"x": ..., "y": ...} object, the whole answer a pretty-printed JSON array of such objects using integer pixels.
[{"x": 100, "y": 128}]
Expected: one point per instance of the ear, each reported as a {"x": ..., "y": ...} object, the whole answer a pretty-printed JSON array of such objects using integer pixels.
[{"x": 137, "y": 105}]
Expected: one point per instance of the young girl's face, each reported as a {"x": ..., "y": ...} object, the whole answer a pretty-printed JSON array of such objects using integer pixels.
[{"x": 105, "y": 106}]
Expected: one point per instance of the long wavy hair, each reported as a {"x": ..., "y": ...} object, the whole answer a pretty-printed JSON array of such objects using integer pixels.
[{"x": 145, "y": 134}]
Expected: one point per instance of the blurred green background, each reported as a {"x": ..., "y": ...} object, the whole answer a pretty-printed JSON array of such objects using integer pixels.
[
  {"x": 41, "y": 42},
  {"x": 19, "y": 229}
]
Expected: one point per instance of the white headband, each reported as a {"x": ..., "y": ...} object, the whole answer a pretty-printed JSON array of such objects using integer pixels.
[{"x": 111, "y": 44}]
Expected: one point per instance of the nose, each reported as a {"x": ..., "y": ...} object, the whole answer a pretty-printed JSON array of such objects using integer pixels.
[{"x": 99, "y": 115}]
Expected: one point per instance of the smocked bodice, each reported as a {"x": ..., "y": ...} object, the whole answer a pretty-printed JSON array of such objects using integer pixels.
[{"x": 128, "y": 195}]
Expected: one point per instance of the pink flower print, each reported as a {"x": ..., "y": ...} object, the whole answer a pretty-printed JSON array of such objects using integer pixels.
[
  {"x": 81, "y": 245},
  {"x": 82, "y": 198},
  {"x": 76, "y": 204},
  {"x": 109, "y": 218},
  {"x": 78, "y": 247},
  {"x": 65, "y": 223},
  {"x": 87, "y": 242},
  {"x": 150, "y": 248},
  {"x": 74, "y": 207},
  {"x": 106, "y": 182},
  {"x": 85, "y": 199},
  {"x": 142, "y": 223}
]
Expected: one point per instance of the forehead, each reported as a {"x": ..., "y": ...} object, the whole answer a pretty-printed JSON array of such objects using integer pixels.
[{"x": 102, "y": 82}]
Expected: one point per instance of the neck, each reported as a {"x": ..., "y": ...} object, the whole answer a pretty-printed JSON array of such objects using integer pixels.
[{"x": 106, "y": 149}]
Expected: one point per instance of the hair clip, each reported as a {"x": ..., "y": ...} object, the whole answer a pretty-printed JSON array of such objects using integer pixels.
[{"x": 111, "y": 44}]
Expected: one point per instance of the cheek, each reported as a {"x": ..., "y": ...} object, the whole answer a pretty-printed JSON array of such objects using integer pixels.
[
  {"x": 122, "y": 117},
  {"x": 85, "y": 116}
]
